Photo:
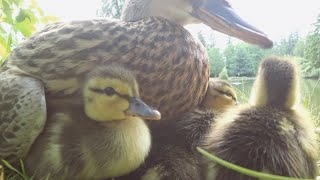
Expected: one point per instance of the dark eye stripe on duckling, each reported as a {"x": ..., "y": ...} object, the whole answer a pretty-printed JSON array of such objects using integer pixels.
[
  {"x": 226, "y": 93},
  {"x": 108, "y": 92}
]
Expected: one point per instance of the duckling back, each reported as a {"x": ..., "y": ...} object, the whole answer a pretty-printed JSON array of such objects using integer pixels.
[
  {"x": 277, "y": 84},
  {"x": 272, "y": 134}
]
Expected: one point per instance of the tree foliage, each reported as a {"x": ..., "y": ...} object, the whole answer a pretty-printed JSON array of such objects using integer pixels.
[
  {"x": 216, "y": 61},
  {"x": 243, "y": 59},
  {"x": 224, "y": 74},
  {"x": 111, "y": 8},
  {"x": 313, "y": 45},
  {"x": 18, "y": 20}
]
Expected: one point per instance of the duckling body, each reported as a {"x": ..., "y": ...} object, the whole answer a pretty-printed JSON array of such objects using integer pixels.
[
  {"x": 272, "y": 134},
  {"x": 173, "y": 154},
  {"x": 84, "y": 142},
  {"x": 73, "y": 146},
  {"x": 167, "y": 60}
]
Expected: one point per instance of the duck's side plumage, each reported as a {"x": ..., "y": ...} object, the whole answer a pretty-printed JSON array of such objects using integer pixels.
[
  {"x": 163, "y": 55},
  {"x": 271, "y": 134},
  {"x": 16, "y": 132}
]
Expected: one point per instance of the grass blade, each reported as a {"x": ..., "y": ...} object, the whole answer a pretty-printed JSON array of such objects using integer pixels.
[
  {"x": 1, "y": 173},
  {"x": 6, "y": 163},
  {"x": 22, "y": 167},
  {"x": 243, "y": 170}
]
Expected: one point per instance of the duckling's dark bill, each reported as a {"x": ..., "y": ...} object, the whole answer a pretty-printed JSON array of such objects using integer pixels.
[
  {"x": 139, "y": 108},
  {"x": 220, "y": 16}
]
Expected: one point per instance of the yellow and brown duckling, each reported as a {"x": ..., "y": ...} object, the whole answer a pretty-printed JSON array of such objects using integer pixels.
[
  {"x": 104, "y": 136},
  {"x": 272, "y": 134},
  {"x": 173, "y": 154},
  {"x": 220, "y": 95},
  {"x": 171, "y": 66}
]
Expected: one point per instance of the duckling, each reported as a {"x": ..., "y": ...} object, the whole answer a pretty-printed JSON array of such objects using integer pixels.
[
  {"x": 149, "y": 40},
  {"x": 102, "y": 136},
  {"x": 220, "y": 95},
  {"x": 272, "y": 134},
  {"x": 173, "y": 154}
]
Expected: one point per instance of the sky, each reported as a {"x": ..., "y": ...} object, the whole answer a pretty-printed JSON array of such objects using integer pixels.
[{"x": 277, "y": 18}]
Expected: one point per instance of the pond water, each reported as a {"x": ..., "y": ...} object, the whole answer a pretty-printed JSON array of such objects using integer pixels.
[{"x": 310, "y": 93}]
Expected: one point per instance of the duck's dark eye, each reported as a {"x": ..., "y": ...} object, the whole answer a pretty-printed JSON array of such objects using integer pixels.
[{"x": 109, "y": 91}]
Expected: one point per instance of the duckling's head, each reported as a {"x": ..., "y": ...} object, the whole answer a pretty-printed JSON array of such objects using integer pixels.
[
  {"x": 220, "y": 95},
  {"x": 112, "y": 93},
  {"x": 217, "y": 14},
  {"x": 277, "y": 84}
]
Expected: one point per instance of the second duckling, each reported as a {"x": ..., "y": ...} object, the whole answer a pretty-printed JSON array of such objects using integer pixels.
[
  {"x": 173, "y": 155},
  {"x": 103, "y": 136},
  {"x": 272, "y": 134}
]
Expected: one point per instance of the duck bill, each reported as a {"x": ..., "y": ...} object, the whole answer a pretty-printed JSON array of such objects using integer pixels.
[
  {"x": 140, "y": 109},
  {"x": 220, "y": 16}
]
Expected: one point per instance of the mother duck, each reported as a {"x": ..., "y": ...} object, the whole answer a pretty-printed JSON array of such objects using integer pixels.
[{"x": 170, "y": 65}]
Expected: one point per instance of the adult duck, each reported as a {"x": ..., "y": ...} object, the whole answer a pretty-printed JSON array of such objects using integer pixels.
[{"x": 170, "y": 65}]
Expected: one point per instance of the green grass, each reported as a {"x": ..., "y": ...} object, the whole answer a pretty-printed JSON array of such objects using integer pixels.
[
  {"x": 12, "y": 173},
  {"x": 243, "y": 170}
]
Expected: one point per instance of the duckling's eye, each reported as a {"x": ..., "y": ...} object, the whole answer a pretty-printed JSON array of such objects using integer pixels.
[
  {"x": 109, "y": 91},
  {"x": 228, "y": 94}
]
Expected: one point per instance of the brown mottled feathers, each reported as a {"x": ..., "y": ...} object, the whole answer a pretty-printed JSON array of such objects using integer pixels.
[
  {"x": 272, "y": 134},
  {"x": 16, "y": 132},
  {"x": 163, "y": 55}
]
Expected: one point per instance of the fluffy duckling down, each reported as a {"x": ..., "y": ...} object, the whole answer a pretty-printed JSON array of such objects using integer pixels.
[
  {"x": 272, "y": 134},
  {"x": 101, "y": 138},
  {"x": 173, "y": 154}
]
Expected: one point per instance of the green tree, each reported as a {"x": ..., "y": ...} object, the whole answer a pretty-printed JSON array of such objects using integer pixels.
[
  {"x": 292, "y": 41},
  {"x": 312, "y": 52},
  {"x": 242, "y": 59},
  {"x": 299, "y": 49},
  {"x": 19, "y": 19},
  {"x": 216, "y": 61},
  {"x": 224, "y": 74},
  {"x": 281, "y": 47},
  {"x": 229, "y": 54},
  {"x": 255, "y": 55},
  {"x": 111, "y": 8}
]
